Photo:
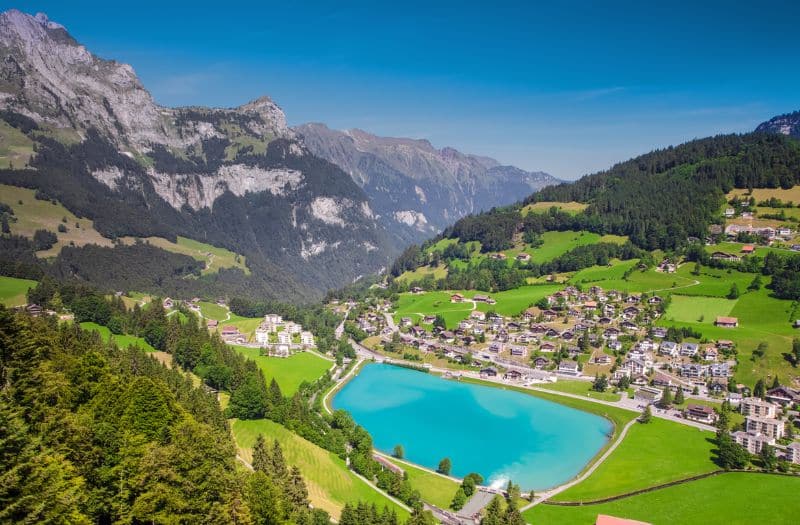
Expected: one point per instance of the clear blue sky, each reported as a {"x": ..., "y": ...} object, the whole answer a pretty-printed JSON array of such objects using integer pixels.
[{"x": 569, "y": 89}]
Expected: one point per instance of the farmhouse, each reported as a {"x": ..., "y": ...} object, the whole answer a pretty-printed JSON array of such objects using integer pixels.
[
  {"x": 456, "y": 298},
  {"x": 513, "y": 375},
  {"x": 489, "y": 372},
  {"x": 783, "y": 396},
  {"x": 727, "y": 322},
  {"x": 523, "y": 257},
  {"x": 540, "y": 362}
]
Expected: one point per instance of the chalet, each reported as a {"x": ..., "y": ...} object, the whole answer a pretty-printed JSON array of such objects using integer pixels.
[
  {"x": 547, "y": 347},
  {"x": 496, "y": 347},
  {"x": 748, "y": 249},
  {"x": 566, "y": 335},
  {"x": 229, "y": 330},
  {"x": 416, "y": 289},
  {"x": 538, "y": 329},
  {"x": 661, "y": 380},
  {"x": 602, "y": 359},
  {"x": 524, "y": 338},
  {"x": 540, "y": 362},
  {"x": 604, "y": 321},
  {"x": 719, "y": 370},
  {"x": 722, "y": 256},
  {"x": 654, "y": 300},
  {"x": 710, "y": 354},
  {"x": 499, "y": 256},
  {"x": 614, "y": 345},
  {"x": 513, "y": 325},
  {"x": 573, "y": 351},
  {"x": 700, "y": 413},
  {"x": 456, "y": 298},
  {"x": 523, "y": 257},
  {"x": 418, "y": 331},
  {"x": 610, "y": 334},
  {"x": 725, "y": 344},
  {"x": 717, "y": 387},
  {"x": 689, "y": 349},
  {"x": 552, "y": 333},
  {"x": 628, "y": 326},
  {"x": 567, "y": 366},
  {"x": 212, "y": 323},
  {"x": 477, "y": 315},
  {"x": 727, "y": 322},
  {"x": 465, "y": 325},
  {"x": 609, "y": 310},
  {"x": 484, "y": 299},
  {"x": 630, "y": 312},
  {"x": 639, "y": 380},
  {"x": 518, "y": 351},
  {"x": 692, "y": 370},
  {"x": 429, "y": 319},
  {"x": 590, "y": 305},
  {"x": 529, "y": 314},
  {"x": 636, "y": 353},
  {"x": 406, "y": 321},
  {"x": 633, "y": 299},
  {"x": 447, "y": 336},
  {"x": 168, "y": 303},
  {"x": 489, "y": 372},
  {"x": 784, "y": 396},
  {"x": 548, "y": 315},
  {"x": 513, "y": 375},
  {"x": 753, "y": 443}
]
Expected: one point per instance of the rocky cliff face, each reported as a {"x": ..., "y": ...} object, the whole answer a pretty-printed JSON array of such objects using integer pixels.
[
  {"x": 416, "y": 189},
  {"x": 788, "y": 124},
  {"x": 236, "y": 177}
]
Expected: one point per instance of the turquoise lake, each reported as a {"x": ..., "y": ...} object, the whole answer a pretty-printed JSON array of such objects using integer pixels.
[{"x": 498, "y": 433}]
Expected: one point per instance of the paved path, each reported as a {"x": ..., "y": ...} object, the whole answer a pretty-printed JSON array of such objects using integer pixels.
[
  {"x": 475, "y": 505},
  {"x": 588, "y": 472}
]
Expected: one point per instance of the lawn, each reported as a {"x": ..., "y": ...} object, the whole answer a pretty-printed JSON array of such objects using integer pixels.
[
  {"x": 35, "y": 215},
  {"x": 13, "y": 291},
  {"x": 214, "y": 257},
  {"x": 713, "y": 281},
  {"x": 432, "y": 303},
  {"x": 434, "y": 488},
  {"x": 699, "y": 309},
  {"x": 615, "y": 270},
  {"x": 581, "y": 388},
  {"x": 558, "y": 243},
  {"x": 289, "y": 372},
  {"x": 246, "y": 325},
  {"x": 733, "y": 499},
  {"x": 514, "y": 302},
  {"x": 330, "y": 484},
  {"x": 122, "y": 341},
  {"x": 658, "y": 452}
]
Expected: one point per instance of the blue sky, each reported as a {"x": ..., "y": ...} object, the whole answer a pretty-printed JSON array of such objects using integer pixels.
[{"x": 569, "y": 89}]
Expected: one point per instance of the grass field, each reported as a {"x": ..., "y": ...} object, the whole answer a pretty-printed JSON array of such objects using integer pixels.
[
  {"x": 438, "y": 272},
  {"x": 289, "y": 372},
  {"x": 650, "y": 454},
  {"x": 703, "y": 310},
  {"x": 434, "y": 489},
  {"x": 16, "y": 148},
  {"x": 123, "y": 341},
  {"x": 540, "y": 207},
  {"x": 246, "y": 325},
  {"x": 761, "y": 194},
  {"x": 582, "y": 388},
  {"x": 330, "y": 483},
  {"x": 730, "y": 499},
  {"x": 13, "y": 291},
  {"x": 214, "y": 257},
  {"x": 559, "y": 243},
  {"x": 35, "y": 215},
  {"x": 213, "y": 310},
  {"x": 761, "y": 319}
]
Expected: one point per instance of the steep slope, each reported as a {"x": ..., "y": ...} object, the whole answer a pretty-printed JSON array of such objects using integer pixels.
[
  {"x": 416, "y": 189},
  {"x": 238, "y": 178},
  {"x": 788, "y": 124}
]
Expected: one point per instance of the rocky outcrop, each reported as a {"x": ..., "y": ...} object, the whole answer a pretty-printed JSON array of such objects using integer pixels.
[
  {"x": 788, "y": 124},
  {"x": 416, "y": 189}
]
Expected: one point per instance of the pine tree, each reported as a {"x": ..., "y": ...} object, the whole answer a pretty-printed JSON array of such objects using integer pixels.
[
  {"x": 277, "y": 463},
  {"x": 296, "y": 489},
  {"x": 459, "y": 499},
  {"x": 647, "y": 415},
  {"x": 666, "y": 398},
  {"x": 760, "y": 389},
  {"x": 768, "y": 458},
  {"x": 494, "y": 513},
  {"x": 679, "y": 397},
  {"x": 261, "y": 456}
]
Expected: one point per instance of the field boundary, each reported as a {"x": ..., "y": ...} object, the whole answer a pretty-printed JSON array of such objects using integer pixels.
[{"x": 660, "y": 487}]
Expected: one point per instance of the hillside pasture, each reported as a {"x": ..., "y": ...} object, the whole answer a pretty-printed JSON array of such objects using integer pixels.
[
  {"x": 214, "y": 257},
  {"x": 16, "y": 149},
  {"x": 330, "y": 483},
  {"x": 35, "y": 214},
  {"x": 545, "y": 206},
  {"x": 122, "y": 340},
  {"x": 702, "y": 310}
]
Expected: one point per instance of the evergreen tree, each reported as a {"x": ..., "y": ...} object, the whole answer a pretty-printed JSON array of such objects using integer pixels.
[
  {"x": 261, "y": 456},
  {"x": 296, "y": 489},
  {"x": 679, "y": 396},
  {"x": 647, "y": 415},
  {"x": 760, "y": 389},
  {"x": 459, "y": 499},
  {"x": 494, "y": 513},
  {"x": 768, "y": 458},
  {"x": 775, "y": 383},
  {"x": 666, "y": 398},
  {"x": 277, "y": 463}
]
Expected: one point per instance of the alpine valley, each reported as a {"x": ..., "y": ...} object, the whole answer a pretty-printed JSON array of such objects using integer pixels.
[{"x": 308, "y": 209}]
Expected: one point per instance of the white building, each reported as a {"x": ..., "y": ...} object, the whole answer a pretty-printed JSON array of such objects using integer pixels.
[{"x": 307, "y": 338}]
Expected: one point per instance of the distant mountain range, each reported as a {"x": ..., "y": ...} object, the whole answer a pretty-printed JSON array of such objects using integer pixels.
[
  {"x": 311, "y": 208},
  {"x": 415, "y": 189},
  {"x": 788, "y": 124}
]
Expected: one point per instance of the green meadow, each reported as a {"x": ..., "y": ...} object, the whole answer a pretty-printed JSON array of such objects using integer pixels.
[
  {"x": 330, "y": 483},
  {"x": 732, "y": 499},
  {"x": 289, "y": 372},
  {"x": 123, "y": 340},
  {"x": 13, "y": 291}
]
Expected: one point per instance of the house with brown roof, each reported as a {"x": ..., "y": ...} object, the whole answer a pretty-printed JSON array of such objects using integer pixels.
[{"x": 727, "y": 322}]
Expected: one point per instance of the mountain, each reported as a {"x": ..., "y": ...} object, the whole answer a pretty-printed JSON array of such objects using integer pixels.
[
  {"x": 416, "y": 190},
  {"x": 788, "y": 124},
  {"x": 87, "y": 133}
]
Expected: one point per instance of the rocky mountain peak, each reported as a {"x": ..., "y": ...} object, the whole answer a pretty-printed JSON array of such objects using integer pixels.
[{"x": 788, "y": 124}]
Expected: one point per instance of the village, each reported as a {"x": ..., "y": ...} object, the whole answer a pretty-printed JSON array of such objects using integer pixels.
[{"x": 600, "y": 337}]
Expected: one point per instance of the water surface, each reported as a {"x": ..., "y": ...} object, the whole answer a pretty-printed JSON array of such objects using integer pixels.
[{"x": 502, "y": 434}]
